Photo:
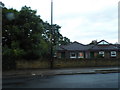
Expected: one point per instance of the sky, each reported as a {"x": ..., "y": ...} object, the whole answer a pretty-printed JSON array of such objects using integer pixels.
[{"x": 80, "y": 20}]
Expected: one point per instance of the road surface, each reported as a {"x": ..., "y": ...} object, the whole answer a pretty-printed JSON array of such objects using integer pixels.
[{"x": 109, "y": 80}]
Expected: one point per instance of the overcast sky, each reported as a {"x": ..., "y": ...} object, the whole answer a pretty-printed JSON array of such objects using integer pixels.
[{"x": 80, "y": 20}]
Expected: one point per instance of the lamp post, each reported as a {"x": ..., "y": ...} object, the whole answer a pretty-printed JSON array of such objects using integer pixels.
[
  {"x": 51, "y": 60},
  {"x": 51, "y": 12}
]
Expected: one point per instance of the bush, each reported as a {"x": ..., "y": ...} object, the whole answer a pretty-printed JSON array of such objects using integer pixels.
[
  {"x": 99, "y": 56},
  {"x": 9, "y": 57}
]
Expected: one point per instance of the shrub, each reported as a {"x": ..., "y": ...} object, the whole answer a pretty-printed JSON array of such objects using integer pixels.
[{"x": 9, "y": 57}]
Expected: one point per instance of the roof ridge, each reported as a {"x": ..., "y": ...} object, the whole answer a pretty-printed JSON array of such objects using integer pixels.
[
  {"x": 104, "y": 41},
  {"x": 62, "y": 47},
  {"x": 77, "y": 42}
]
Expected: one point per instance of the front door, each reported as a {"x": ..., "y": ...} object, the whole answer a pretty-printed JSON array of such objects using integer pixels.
[
  {"x": 63, "y": 55},
  {"x": 91, "y": 54}
]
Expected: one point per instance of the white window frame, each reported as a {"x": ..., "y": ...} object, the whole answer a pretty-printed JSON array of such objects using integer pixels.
[
  {"x": 80, "y": 56},
  {"x": 102, "y": 53},
  {"x": 113, "y": 52},
  {"x": 73, "y": 56}
]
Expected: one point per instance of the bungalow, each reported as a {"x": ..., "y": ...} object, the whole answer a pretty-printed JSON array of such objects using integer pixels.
[{"x": 102, "y": 49}]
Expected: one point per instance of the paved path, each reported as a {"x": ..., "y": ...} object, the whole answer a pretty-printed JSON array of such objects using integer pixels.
[{"x": 65, "y": 71}]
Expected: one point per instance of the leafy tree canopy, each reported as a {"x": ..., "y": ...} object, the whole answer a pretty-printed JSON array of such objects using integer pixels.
[{"x": 26, "y": 35}]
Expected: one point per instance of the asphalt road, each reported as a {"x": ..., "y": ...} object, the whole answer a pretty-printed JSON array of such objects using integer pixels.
[{"x": 109, "y": 80}]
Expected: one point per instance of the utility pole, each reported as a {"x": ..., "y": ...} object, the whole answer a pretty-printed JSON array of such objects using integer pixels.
[{"x": 51, "y": 60}]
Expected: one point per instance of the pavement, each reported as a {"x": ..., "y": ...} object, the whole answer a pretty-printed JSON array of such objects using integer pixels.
[{"x": 63, "y": 71}]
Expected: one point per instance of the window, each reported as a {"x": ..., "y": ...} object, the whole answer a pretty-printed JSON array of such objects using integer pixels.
[
  {"x": 81, "y": 55},
  {"x": 113, "y": 53},
  {"x": 72, "y": 55},
  {"x": 101, "y": 53}
]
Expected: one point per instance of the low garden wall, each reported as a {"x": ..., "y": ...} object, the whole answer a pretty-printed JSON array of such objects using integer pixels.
[{"x": 67, "y": 63}]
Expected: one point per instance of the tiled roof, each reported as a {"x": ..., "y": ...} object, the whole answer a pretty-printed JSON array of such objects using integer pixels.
[
  {"x": 104, "y": 47},
  {"x": 75, "y": 46}
]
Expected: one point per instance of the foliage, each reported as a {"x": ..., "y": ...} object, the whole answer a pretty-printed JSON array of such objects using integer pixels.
[
  {"x": 26, "y": 36},
  {"x": 94, "y": 42},
  {"x": 9, "y": 56},
  {"x": 99, "y": 56},
  {"x": 57, "y": 38}
]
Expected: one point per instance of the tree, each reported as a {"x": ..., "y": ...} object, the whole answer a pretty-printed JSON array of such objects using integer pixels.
[
  {"x": 94, "y": 42},
  {"x": 10, "y": 46},
  {"x": 21, "y": 35},
  {"x": 31, "y": 27},
  {"x": 26, "y": 36},
  {"x": 57, "y": 37},
  {"x": 2, "y": 5}
]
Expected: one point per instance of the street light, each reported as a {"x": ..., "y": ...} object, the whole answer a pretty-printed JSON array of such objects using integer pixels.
[
  {"x": 51, "y": 60},
  {"x": 51, "y": 12}
]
